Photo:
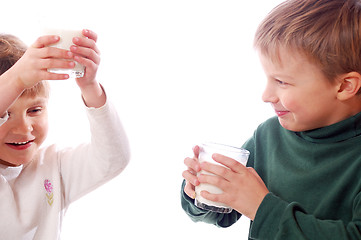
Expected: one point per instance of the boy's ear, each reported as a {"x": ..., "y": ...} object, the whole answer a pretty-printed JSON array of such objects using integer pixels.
[{"x": 350, "y": 84}]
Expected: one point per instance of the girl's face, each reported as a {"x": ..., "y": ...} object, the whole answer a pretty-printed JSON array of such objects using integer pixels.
[
  {"x": 302, "y": 97},
  {"x": 25, "y": 130}
]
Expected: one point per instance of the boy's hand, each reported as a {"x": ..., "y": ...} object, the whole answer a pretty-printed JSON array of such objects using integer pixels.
[
  {"x": 243, "y": 189},
  {"x": 87, "y": 53},
  {"x": 190, "y": 175},
  {"x": 32, "y": 66}
]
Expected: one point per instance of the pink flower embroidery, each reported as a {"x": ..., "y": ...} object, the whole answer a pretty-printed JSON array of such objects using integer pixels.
[
  {"x": 49, "y": 192},
  {"x": 48, "y": 186}
]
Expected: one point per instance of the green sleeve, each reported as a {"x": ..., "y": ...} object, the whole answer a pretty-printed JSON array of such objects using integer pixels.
[
  {"x": 218, "y": 219},
  {"x": 277, "y": 219},
  {"x": 199, "y": 215}
]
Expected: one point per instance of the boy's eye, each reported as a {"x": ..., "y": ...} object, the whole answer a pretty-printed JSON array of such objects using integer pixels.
[{"x": 280, "y": 82}]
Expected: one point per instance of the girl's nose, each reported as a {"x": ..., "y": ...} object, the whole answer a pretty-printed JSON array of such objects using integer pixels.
[{"x": 22, "y": 126}]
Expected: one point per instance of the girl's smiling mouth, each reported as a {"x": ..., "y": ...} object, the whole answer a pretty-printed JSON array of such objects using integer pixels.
[{"x": 20, "y": 145}]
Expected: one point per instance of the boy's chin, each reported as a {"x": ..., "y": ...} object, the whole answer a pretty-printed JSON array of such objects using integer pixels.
[{"x": 292, "y": 127}]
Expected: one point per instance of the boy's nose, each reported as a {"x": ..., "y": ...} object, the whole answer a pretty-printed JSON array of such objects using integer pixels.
[{"x": 269, "y": 96}]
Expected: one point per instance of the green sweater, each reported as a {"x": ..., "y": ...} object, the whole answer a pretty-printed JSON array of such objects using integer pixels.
[{"x": 314, "y": 179}]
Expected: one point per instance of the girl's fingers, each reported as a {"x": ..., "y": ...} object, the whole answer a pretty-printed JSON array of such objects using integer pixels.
[
  {"x": 53, "y": 52},
  {"x": 90, "y": 34},
  {"x": 55, "y": 63},
  {"x": 196, "y": 151},
  {"x": 53, "y": 76},
  {"x": 45, "y": 41},
  {"x": 86, "y": 43},
  {"x": 89, "y": 64},
  {"x": 86, "y": 53}
]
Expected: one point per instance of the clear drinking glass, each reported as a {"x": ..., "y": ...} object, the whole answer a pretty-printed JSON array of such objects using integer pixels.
[
  {"x": 66, "y": 40},
  {"x": 205, "y": 155}
]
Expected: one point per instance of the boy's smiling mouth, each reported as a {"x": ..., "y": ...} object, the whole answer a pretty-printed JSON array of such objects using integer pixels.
[{"x": 281, "y": 113}]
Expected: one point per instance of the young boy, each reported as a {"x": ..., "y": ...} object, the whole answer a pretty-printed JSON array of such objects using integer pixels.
[
  {"x": 38, "y": 184},
  {"x": 303, "y": 176}
]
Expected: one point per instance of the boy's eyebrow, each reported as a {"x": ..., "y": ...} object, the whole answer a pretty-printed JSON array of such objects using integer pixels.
[
  {"x": 283, "y": 76},
  {"x": 280, "y": 76}
]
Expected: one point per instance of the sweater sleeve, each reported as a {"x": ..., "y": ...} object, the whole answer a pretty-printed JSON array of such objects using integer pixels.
[
  {"x": 200, "y": 215},
  {"x": 277, "y": 219},
  {"x": 218, "y": 219},
  {"x": 4, "y": 118},
  {"x": 88, "y": 166}
]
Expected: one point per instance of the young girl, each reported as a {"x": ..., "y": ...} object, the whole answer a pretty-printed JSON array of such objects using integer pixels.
[{"x": 38, "y": 184}]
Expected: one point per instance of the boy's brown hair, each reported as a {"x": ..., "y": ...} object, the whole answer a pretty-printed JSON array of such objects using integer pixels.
[
  {"x": 327, "y": 32},
  {"x": 11, "y": 50}
]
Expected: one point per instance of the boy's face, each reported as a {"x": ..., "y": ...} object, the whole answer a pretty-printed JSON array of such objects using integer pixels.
[
  {"x": 25, "y": 130},
  {"x": 302, "y": 97}
]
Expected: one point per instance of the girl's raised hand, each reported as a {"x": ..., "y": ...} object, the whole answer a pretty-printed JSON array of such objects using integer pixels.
[
  {"x": 32, "y": 66},
  {"x": 87, "y": 53}
]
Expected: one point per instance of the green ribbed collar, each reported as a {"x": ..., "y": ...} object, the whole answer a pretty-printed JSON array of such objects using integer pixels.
[{"x": 338, "y": 132}]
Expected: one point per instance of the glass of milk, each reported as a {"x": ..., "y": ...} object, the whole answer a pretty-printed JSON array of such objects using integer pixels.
[
  {"x": 66, "y": 40},
  {"x": 206, "y": 150}
]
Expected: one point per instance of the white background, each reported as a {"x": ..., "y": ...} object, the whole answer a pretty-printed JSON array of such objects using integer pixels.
[{"x": 179, "y": 72}]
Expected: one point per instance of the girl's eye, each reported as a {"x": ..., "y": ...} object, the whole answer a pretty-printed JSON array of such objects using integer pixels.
[{"x": 34, "y": 111}]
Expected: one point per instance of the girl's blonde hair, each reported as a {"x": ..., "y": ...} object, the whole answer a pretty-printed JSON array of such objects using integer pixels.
[
  {"x": 327, "y": 32},
  {"x": 11, "y": 50}
]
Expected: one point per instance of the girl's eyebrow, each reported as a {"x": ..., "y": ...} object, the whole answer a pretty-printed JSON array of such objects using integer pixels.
[{"x": 39, "y": 101}]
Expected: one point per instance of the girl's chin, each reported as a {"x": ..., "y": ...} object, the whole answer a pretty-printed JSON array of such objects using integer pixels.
[{"x": 9, "y": 164}]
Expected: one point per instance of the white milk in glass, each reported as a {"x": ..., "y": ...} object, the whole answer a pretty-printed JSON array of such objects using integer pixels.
[
  {"x": 66, "y": 40},
  {"x": 205, "y": 155}
]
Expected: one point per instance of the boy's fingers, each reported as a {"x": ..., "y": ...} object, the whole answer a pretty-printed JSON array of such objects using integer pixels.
[
  {"x": 189, "y": 190},
  {"x": 190, "y": 178},
  {"x": 227, "y": 171},
  {"x": 251, "y": 170},
  {"x": 234, "y": 165},
  {"x": 192, "y": 163}
]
